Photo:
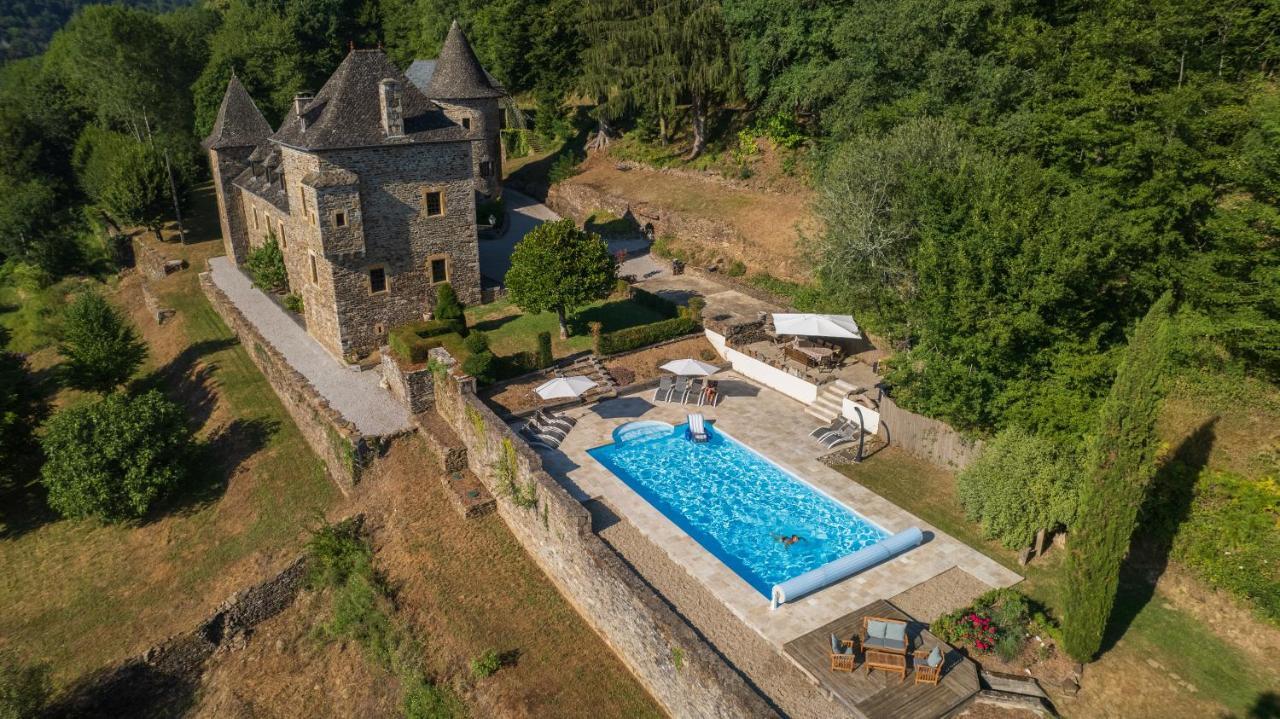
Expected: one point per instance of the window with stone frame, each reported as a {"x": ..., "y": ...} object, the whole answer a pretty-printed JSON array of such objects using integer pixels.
[
  {"x": 466, "y": 123},
  {"x": 315, "y": 275},
  {"x": 433, "y": 202},
  {"x": 255, "y": 217},
  {"x": 377, "y": 280},
  {"x": 438, "y": 269},
  {"x": 486, "y": 169},
  {"x": 339, "y": 218},
  {"x": 284, "y": 242}
]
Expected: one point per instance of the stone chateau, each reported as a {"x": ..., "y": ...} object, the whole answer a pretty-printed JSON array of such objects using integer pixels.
[{"x": 369, "y": 187}]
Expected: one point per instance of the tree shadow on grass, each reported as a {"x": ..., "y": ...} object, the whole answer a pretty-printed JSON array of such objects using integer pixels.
[
  {"x": 135, "y": 689},
  {"x": 612, "y": 316},
  {"x": 1167, "y": 505},
  {"x": 490, "y": 325},
  {"x": 23, "y": 499},
  {"x": 188, "y": 381},
  {"x": 1266, "y": 706},
  {"x": 214, "y": 462}
]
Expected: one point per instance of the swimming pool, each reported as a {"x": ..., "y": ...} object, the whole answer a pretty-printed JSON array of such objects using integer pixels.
[{"x": 735, "y": 502}]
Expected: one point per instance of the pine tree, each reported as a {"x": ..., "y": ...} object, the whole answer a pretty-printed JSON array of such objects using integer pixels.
[{"x": 1121, "y": 463}]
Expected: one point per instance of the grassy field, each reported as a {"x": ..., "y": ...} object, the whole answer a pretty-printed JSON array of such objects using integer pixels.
[
  {"x": 1161, "y": 648},
  {"x": 512, "y": 331},
  {"x": 79, "y": 595}
]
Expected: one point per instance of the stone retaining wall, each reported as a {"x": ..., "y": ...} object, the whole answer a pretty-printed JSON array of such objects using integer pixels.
[
  {"x": 163, "y": 676},
  {"x": 149, "y": 260},
  {"x": 412, "y": 387},
  {"x": 338, "y": 443},
  {"x": 682, "y": 672}
]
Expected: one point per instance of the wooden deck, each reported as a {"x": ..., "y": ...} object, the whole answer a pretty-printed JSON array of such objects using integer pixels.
[{"x": 881, "y": 694}]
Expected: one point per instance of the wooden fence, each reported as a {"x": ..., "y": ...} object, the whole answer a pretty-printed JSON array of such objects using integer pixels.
[{"x": 926, "y": 438}]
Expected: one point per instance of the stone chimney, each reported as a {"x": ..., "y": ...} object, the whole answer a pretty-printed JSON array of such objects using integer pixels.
[
  {"x": 390, "y": 100},
  {"x": 300, "y": 100}
]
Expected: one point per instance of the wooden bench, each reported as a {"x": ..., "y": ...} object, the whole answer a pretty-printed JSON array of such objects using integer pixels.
[{"x": 891, "y": 662}]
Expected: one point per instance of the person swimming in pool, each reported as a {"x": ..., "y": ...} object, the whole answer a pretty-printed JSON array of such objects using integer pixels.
[{"x": 788, "y": 541}]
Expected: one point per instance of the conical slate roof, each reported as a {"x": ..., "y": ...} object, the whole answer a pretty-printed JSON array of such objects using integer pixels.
[
  {"x": 347, "y": 113},
  {"x": 458, "y": 74},
  {"x": 239, "y": 123}
]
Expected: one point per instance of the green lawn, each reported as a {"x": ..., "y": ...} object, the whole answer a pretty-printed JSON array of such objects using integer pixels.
[
  {"x": 512, "y": 331},
  {"x": 80, "y": 595},
  {"x": 1156, "y": 629}
]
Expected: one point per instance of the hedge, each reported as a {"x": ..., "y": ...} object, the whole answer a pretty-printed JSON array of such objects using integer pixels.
[
  {"x": 412, "y": 341},
  {"x": 607, "y": 343},
  {"x": 657, "y": 303}
]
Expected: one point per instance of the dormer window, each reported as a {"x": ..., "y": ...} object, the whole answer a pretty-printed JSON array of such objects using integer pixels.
[{"x": 340, "y": 218}]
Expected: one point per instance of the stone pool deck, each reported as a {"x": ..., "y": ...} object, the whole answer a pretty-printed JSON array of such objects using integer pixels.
[{"x": 776, "y": 426}]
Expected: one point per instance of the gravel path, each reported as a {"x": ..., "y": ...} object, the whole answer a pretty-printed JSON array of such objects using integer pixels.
[
  {"x": 357, "y": 395},
  {"x": 774, "y": 675}
]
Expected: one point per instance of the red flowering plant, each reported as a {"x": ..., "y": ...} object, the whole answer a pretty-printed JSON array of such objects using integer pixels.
[{"x": 977, "y": 629}]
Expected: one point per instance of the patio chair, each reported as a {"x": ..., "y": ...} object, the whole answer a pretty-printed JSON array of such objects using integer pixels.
[
  {"x": 663, "y": 392},
  {"x": 698, "y": 427},
  {"x": 847, "y": 432},
  {"x": 929, "y": 665},
  {"x": 681, "y": 390},
  {"x": 843, "y": 658},
  {"x": 710, "y": 393}
]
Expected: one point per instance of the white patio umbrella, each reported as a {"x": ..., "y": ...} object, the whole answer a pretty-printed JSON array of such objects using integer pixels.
[
  {"x": 690, "y": 367},
  {"x": 563, "y": 387},
  {"x": 810, "y": 325}
]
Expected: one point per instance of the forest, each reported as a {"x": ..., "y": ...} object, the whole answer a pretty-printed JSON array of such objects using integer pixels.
[{"x": 1005, "y": 188}]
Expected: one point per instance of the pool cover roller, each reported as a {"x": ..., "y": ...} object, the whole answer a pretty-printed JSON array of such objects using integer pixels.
[{"x": 846, "y": 566}]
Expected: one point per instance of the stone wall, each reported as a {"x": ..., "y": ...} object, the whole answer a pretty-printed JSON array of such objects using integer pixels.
[
  {"x": 683, "y": 673},
  {"x": 338, "y": 443},
  {"x": 160, "y": 679},
  {"x": 413, "y": 387}
]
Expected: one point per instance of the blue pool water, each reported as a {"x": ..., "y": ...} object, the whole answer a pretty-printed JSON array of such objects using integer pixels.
[{"x": 734, "y": 502}]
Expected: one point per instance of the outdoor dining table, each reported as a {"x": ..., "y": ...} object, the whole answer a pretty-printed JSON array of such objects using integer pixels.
[{"x": 818, "y": 353}]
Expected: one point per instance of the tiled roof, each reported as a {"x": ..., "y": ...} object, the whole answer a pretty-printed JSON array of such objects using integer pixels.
[
  {"x": 336, "y": 177},
  {"x": 458, "y": 74},
  {"x": 239, "y": 124},
  {"x": 420, "y": 71},
  {"x": 347, "y": 113}
]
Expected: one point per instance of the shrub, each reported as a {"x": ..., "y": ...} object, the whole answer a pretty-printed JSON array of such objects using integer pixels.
[
  {"x": 621, "y": 288},
  {"x": 1020, "y": 484},
  {"x": 24, "y": 689},
  {"x": 481, "y": 365},
  {"x": 486, "y": 664},
  {"x": 517, "y": 363},
  {"x": 335, "y": 553},
  {"x": 100, "y": 347},
  {"x": 630, "y": 338},
  {"x": 695, "y": 308},
  {"x": 997, "y": 620},
  {"x": 736, "y": 269},
  {"x": 657, "y": 303},
  {"x": 476, "y": 342},
  {"x": 115, "y": 457},
  {"x": 564, "y": 167},
  {"x": 266, "y": 266},
  {"x": 1009, "y": 645},
  {"x": 449, "y": 309},
  {"x": 407, "y": 342},
  {"x": 293, "y": 303},
  {"x": 516, "y": 142},
  {"x": 545, "y": 356}
]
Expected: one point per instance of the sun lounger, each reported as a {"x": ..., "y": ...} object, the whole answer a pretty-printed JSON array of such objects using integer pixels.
[
  {"x": 547, "y": 429},
  {"x": 546, "y": 418},
  {"x": 696, "y": 387},
  {"x": 539, "y": 440},
  {"x": 698, "y": 427},
  {"x": 821, "y": 433},
  {"x": 680, "y": 390},
  {"x": 848, "y": 432},
  {"x": 663, "y": 392}
]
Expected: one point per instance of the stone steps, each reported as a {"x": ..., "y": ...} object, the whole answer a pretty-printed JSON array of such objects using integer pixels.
[{"x": 829, "y": 403}]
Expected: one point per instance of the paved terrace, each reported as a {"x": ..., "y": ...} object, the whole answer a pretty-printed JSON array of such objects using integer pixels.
[
  {"x": 358, "y": 396},
  {"x": 778, "y": 427}
]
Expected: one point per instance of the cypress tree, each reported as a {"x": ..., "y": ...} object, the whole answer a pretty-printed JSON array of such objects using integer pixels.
[{"x": 1121, "y": 463}]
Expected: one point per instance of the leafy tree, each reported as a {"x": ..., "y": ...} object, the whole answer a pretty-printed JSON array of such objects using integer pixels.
[
  {"x": 656, "y": 54},
  {"x": 559, "y": 267},
  {"x": 447, "y": 305},
  {"x": 127, "y": 178},
  {"x": 1120, "y": 462},
  {"x": 266, "y": 266},
  {"x": 24, "y": 689},
  {"x": 116, "y": 456},
  {"x": 100, "y": 347},
  {"x": 1022, "y": 483}
]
